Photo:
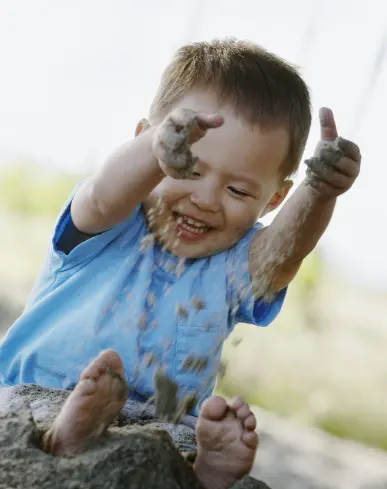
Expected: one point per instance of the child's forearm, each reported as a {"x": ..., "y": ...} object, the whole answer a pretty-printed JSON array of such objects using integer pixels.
[
  {"x": 277, "y": 252},
  {"x": 301, "y": 223},
  {"x": 123, "y": 182}
]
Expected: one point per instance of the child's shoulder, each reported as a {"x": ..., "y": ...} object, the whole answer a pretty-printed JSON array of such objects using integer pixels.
[{"x": 243, "y": 245}]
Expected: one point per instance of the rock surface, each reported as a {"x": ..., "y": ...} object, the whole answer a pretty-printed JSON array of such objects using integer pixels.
[{"x": 128, "y": 457}]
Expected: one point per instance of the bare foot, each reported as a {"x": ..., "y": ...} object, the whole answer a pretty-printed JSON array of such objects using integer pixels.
[
  {"x": 227, "y": 442},
  {"x": 90, "y": 408}
]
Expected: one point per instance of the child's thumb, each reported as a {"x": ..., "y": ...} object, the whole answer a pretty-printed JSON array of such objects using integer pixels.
[{"x": 327, "y": 125}]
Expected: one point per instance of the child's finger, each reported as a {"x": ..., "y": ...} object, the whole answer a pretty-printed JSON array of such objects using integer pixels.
[
  {"x": 348, "y": 166},
  {"x": 327, "y": 125},
  {"x": 327, "y": 178},
  {"x": 350, "y": 149},
  {"x": 328, "y": 174},
  {"x": 209, "y": 121}
]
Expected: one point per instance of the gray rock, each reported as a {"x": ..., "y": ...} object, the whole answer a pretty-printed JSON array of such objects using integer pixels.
[{"x": 127, "y": 457}]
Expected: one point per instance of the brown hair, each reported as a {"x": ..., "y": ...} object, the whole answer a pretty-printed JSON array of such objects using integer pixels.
[{"x": 262, "y": 87}]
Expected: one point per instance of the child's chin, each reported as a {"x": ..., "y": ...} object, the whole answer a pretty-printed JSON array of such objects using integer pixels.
[{"x": 190, "y": 251}]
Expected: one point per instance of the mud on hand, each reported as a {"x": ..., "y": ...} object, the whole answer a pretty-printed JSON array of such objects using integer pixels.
[
  {"x": 173, "y": 140},
  {"x": 336, "y": 162}
]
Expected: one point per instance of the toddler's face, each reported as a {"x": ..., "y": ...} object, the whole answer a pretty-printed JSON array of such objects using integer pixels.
[{"x": 235, "y": 181}]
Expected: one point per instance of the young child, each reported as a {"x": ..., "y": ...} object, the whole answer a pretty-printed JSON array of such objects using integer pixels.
[{"x": 158, "y": 255}]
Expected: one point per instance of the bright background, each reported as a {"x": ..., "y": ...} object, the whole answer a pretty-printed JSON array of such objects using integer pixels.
[{"x": 76, "y": 76}]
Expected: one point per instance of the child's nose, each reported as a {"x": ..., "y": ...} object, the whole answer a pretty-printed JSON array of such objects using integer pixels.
[{"x": 206, "y": 197}]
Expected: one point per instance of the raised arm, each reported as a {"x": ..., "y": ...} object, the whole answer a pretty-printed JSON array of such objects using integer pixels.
[
  {"x": 125, "y": 179},
  {"x": 133, "y": 171},
  {"x": 277, "y": 251}
]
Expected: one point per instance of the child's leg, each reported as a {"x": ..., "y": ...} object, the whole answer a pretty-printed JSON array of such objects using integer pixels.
[
  {"x": 227, "y": 442},
  {"x": 90, "y": 408}
]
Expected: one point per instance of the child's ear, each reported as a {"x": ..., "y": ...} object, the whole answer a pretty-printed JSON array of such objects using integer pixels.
[
  {"x": 279, "y": 196},
  {"x": 142, "y": 125}
]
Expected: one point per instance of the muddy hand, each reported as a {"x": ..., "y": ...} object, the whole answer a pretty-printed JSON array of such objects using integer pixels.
[
  {"x": 174, "y": 137},
  {"x": 336, "y": 162}
]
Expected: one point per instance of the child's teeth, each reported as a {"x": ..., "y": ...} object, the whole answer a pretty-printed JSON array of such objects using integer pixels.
[
  {"x": 192, "y": 222},
  {"x": 192, "y": 225},
  {"x": 193, "y": 229}
]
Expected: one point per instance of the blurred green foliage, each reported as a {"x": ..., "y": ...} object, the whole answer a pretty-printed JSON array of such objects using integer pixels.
[{"x": 32, "y": 190}]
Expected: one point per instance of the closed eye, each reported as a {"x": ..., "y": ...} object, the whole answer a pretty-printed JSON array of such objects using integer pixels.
[{"x": 240, "y": 193}]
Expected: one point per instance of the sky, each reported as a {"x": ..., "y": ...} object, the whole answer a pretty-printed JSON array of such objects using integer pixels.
[{"x": 76, "y": 76}]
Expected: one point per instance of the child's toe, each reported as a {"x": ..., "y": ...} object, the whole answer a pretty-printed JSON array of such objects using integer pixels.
[
  {"x": 107, "y": 359},
  {"x": 236, "y": 403},
  {"x": 250, "y": 422},
  {"x": 215, "y": 408},
  {"x": 250, "y": 439},
  {"x": 243, "y": 412}
]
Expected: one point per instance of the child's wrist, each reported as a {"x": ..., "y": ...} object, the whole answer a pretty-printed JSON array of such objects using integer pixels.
[{"x": 318, "y": 194}]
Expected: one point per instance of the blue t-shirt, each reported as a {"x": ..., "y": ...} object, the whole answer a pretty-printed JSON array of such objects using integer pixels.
[{"x": 108, "y": 292}]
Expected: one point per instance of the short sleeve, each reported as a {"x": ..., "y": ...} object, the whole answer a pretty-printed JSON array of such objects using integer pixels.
[
  {"x": 89, "y": 248},
  {"x": 244, "y": 308}
]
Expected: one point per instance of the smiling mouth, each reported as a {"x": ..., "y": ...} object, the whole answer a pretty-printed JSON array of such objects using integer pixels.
[{"x": 190, "y": 225}]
